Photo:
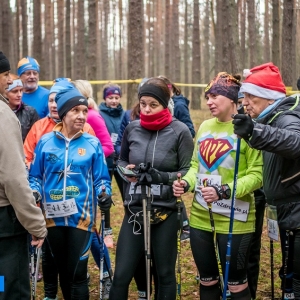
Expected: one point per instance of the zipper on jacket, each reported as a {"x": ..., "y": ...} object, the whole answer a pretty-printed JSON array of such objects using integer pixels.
[{"x": 65, "y": 175}]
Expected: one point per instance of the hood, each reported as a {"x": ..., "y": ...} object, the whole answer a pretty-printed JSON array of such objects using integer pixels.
[
  {"x": 290, "y": 103},
  {"x": 181, "y": 98},
  {"x": 113, "y": 112}
]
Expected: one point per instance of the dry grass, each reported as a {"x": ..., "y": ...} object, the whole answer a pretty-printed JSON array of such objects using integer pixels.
[{"x": 189, "y": 284}]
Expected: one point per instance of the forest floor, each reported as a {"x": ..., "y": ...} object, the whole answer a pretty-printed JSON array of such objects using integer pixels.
[{"x": 189, "y": 287}]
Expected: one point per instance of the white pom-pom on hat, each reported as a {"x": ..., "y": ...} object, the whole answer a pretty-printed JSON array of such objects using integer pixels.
[{"x": 246, "y": 73}]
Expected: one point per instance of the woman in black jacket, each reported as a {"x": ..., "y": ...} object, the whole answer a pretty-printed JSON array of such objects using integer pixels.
[
  {"x": 26, "y": 114},
  {"x": 166, "y": 145}
]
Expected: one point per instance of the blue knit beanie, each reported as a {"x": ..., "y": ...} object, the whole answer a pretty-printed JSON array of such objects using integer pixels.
[
  {"x": 60, "y": 84},
  {"x": 68, "y": 98},
  {"x": 28, "y": 63}
]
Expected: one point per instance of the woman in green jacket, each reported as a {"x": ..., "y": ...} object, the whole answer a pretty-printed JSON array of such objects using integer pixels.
[{"x": 211, "y": 175}]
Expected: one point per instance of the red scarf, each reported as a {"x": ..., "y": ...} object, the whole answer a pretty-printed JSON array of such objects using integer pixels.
[{"x": 157, "y": 121}]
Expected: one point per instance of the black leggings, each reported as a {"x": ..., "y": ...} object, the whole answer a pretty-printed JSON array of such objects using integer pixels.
[
  {"x": 70, "y": 248},
  {"x": 130, "y": 249},
  {"x": 202, "y": 246}
]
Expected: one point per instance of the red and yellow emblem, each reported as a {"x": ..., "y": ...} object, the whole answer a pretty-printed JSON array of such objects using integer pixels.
[{"x": 81, "y": 151}]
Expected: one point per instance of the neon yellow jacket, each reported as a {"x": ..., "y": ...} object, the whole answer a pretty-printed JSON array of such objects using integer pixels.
[{"x": 214, "y": 153}]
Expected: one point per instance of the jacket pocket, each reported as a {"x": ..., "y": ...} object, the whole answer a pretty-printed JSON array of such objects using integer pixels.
[
  {"x": 288, "y": 215},
  {"x": 9, "y": 223}
]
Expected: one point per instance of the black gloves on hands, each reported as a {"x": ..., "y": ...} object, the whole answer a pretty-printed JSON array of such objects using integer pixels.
[
  {"x": 158, "y": 177},
  {"x": 243, "y": 126},
  {"x": 104, "y": 202},
  {"x": 37, "y": 196}
]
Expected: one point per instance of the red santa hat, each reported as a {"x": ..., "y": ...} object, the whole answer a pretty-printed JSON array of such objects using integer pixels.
[{"x": 264, "y": 81}]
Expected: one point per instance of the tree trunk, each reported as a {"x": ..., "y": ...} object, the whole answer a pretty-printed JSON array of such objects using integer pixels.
[
  {"x": 80, "y": 46},
  {"x": 105, "y": 25},
  {"x": 168, "y": 32},
  {"x": 287, "y": 62},
  {"x": 276, "y": 33},
  {"x": 5, "y": 23},
  {"x": 251, "y": 32},
  {"x": 226, "y": 66},
  {"x": 234, "y": 43},
  {"x": 135, "y": 48},
  {"x": 186, "y": 49},
  {"x": 60, "y": 37},
  {"x": 37, "y": 34},
  {"x": 68, "y": 54},
  {"x": 266, "y": 33},
  {"x": 218, "y": 37},
  {"x": 206, "y": 31},
  {"x": 92, "y": 43},
  {"x": 175, "y": 45},
  {"x": 24, "y": 29},
  {"x": 195, "y": 103}
]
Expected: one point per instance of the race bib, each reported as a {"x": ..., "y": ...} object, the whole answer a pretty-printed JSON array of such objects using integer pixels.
[
  {"x": 273, "y": 231},
  {"x": 155, "y": 189},
  {"x": 114, "y": 137},
  {"x": 61, "y": 208},
  {"x": 221, "y": 207}
]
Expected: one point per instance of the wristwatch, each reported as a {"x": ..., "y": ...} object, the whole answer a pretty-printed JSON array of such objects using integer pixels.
[{"x": 223, "y": 191}]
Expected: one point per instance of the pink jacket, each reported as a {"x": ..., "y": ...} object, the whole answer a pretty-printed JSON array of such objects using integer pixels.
[{"x": 98, "y": 124}]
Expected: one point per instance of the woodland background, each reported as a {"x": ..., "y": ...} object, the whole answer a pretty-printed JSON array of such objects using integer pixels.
[{"x": 188, "y": 41}]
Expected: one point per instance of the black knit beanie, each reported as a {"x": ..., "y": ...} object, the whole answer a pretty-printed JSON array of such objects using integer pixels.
[{"x": 4, "y": 63}]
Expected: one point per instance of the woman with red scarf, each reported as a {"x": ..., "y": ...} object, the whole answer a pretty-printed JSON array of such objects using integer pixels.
[{"x": 165, "y": 145}]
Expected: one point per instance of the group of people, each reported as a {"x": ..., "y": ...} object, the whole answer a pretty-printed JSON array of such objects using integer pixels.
[{"x": 73, "y": 149}]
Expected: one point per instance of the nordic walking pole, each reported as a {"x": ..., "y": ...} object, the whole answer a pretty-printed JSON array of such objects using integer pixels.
[
  {"x": 33, "y": 286},
  {"x": 36, "y": 274},
  {"x": 213, "y": 230},
  {"x": 286, "y": 258},
  {"x": 102, "y": 252},
  {"x": 272, "y": 268},
  {"x": 228, "y": 251},
  {"x": 179, "y": 202}
]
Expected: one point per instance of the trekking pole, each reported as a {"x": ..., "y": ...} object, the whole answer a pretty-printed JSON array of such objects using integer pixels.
[
  {"x": 102, "y": 224},
  {"x": 228, "y": 251},
  {"x": 286, "y": 258},
  {"x": 38, "y": 257},
  {"x": 272, "y": 268},
  {"x": 213, "y": 230},
  {"x": 32, "y": 273},
  {"x": 179, "y": 202},
  {"x": 110, "y": 273}
]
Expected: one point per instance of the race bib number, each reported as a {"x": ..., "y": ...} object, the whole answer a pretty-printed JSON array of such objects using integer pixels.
[
  {"x": 155, "y": 189},
  {"x": 61, "y": 208},
  {"x": 114, "y": 137},
  {"x": 273, "y": 231},
  {"x": 221, "y": 207}
]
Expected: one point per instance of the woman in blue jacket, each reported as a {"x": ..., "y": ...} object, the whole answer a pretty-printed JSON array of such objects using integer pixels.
[
  {"x": 69, "y": 171},
  {"x": 112, "y": 112}
]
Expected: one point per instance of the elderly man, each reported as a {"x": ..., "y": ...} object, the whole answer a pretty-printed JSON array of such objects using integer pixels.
[
  {"x": 33, "y": 94},
  {"x": 276, "y": 131},
  {"x": 18, "y": 210}
]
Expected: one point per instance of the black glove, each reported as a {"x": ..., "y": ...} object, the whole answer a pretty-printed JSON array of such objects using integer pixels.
[
  {"x": 104, "y": 202},
  {"x": 243, "y": 126},
  {"x": 158, "y": 177},
  {"x": 37, "y": 196}
]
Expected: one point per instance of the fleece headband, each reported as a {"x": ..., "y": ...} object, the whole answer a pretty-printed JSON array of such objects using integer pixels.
[
  {"x": 26, "y": 64},
  {"x": 224, "y": 84},
  {"x": 155, "y": 92},
  {"x": 16, "y": 82}
]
